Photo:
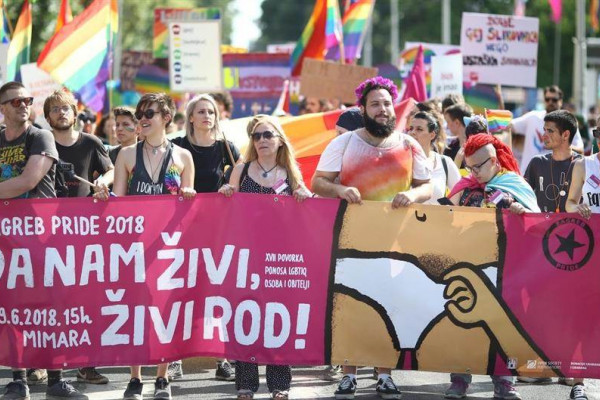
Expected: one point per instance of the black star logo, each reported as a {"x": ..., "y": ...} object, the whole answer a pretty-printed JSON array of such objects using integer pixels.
[{"x": 568, "y": 244}]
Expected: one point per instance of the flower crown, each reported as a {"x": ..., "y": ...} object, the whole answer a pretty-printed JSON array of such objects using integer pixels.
[{"x": 365, "y": 87}]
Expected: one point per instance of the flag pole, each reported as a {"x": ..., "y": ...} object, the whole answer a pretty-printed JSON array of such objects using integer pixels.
[{"x": 10, "y": 27}]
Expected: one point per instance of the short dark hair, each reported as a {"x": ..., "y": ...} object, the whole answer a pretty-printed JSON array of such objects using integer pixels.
[
  {"x": 12, "y": 85},
  {"x": 225, "y": 99},
  {"x": 554, "y": 89},
  {"x": 477, "y": 125},
  {"x": 564, "y": 120},
  {"x": 125, "y": 112},
  {"x": 452, "y": 99},
  {"x": 458, "y": 111},
  {"x": 432, "y": 123},
  {"x": 165, "y": 104}
]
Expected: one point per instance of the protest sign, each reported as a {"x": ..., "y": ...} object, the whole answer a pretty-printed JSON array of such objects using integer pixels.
[
  {"x": 119, "y": 283},
  {"x": 164, "y": 16},
  {"x": 195, "y": 63},
  {"x": 330, "y": 80},
  {"x": 499, "y": 49},
  {"x": 131, "y": 62},
  {"x": 446, "y": 75},
  {"x": 255, "y": 81},
  {"x": 40, "y": 85}
]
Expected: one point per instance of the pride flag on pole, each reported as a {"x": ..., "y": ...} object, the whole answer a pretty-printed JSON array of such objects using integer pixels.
[
  {"x": 20, "y": 44},
  {"x": 498, "y": 120},
  {"x": 355, "y": 22},
  {"x": 64, "y": 15},
  {"x": 4, "y": 30},
  {"x": 79, "y": 55},
  {"x": 323, "y": 31}
]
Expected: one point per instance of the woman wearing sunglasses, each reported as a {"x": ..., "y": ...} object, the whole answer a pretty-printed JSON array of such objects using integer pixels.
[
  {"x": 270, "y": 168},
  {"x": 152, "y": 167}
]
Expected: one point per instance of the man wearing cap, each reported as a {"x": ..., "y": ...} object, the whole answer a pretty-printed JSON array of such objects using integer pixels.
[{"x": 374, "y": 163}]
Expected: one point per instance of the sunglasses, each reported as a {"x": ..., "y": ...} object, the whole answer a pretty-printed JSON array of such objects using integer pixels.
[
  {"x": 552, "y": 99},
  {"x": 16, "y": 102},
  {"x": 268, "y": 135},
  {"x": 477, "y": 168},
  {"x": 149, "y": 114}
]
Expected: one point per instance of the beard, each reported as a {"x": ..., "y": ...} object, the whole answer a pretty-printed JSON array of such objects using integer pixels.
[
  {"x": 61, "y": 125},
  {"x": 379, "y": 130}
]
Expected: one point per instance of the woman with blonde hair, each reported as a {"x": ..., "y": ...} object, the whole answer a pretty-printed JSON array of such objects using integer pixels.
[
  {"x": 211, "y": 152},
  {"x": 269, "y": 168}
]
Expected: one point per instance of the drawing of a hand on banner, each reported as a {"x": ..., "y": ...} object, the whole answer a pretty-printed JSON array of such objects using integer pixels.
[{"x": 430, "y": 300}]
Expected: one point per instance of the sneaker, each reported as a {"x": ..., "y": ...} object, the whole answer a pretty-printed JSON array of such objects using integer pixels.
[
  {"x": 175, "y": 370},
  {"x": 386, "y": 389},
  {"x": 333, "y": 373},
  {"x": 64, "y": 390},
  {"x": 162, "y": 389},
  {"x": 578, "y": 392},
  {"x": 346, "y": 388},
  {"x": 90, "y": 375},
  {"x": 36, "y": 376},
  {"x": 375, "y": 374},
  {"x": 534, "y": 381},
  {"x": 458, "y": 388},
  {"x": 504, "y": 389},
  {"x": 16, "y": 390},
  {"x": 134, "y": 390},
  {"x": 224, "y": 372}
]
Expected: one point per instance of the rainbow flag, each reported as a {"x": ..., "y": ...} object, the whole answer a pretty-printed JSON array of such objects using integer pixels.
[
  {"x": 498, "y": 120},
  {"x": 355, "y": 22},
  {"x": 79, "y": 55},
  {"x": 320, "y": 33},
  {"x": 20, "y": 44},
  {"x": 594, "y": 9},
  {"x": 4, "y": 30},
  {"x": 64, "y": 15}
]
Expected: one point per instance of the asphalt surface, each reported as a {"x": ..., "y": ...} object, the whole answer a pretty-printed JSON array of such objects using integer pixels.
[{"x": 307, "y": 383}]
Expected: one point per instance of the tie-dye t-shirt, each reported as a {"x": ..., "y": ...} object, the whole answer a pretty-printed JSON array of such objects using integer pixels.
[{"x": 378, "y": 173}]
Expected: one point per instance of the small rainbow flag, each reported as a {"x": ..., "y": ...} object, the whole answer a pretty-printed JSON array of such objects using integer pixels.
[
  {"x": 64, "y": 15},
  {"x": 322, "y": 31},
  {"x": 498, "y": 120},
  {"x": 20, "y": 44},
  {"x": 79, "y": 55},
  {"x": 355, "y": 22}
]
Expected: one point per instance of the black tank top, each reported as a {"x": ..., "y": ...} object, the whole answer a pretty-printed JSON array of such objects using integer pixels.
[{"x": 141, "y": 183}]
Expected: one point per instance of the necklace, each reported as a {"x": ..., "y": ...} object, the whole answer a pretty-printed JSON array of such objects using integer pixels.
[
  {"x": 155, "y": 148},
  {"x": 265, "y": 173},
  {"x": 562, "y": 184},
  {"x": 152, "y": 169}
]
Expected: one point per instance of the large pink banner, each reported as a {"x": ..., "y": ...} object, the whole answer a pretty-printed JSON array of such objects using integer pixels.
[{"x": 150, "y": 279}]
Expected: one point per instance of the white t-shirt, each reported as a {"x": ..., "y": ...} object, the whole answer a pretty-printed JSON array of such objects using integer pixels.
[
  {"x": 591, "y": 184},
  {"x": 378, "y": 173},
  {"x": 438, "y": 177},
  {"x": 531, "y": 125}
]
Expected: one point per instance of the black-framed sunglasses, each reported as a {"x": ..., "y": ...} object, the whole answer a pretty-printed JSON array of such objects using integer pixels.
[
  {"x": 596, "y": 133},
  {"x": 149, "y": 114},
  {"x": 17, "y": 101},
  {"x": 268, "y": 135},
  {"x": 476, "y": 168},
  {"x": 552, "y": 99}
]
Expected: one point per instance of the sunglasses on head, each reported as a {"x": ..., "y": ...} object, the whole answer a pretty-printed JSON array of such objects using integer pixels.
[
  {"x": 16, "y": 102},
  {"x": 268, "y": 135},
  {"x": 552, "y": 99},
  {"x": 149, "y": 114}
]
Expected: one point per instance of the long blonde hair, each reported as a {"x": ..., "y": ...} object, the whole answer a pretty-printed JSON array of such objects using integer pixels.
[
  {"x": 189, "y": 110},
  {"x": 285, "y": 154}
]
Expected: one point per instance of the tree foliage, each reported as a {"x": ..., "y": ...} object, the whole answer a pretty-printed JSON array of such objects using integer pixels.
[
  {"x": 421, "y": 21},
  {"x": 136, "y": 23}
]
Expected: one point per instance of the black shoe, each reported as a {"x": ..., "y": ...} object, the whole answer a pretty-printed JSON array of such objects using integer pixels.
[
  {"x": 162, "y": 389},
  {"x": 224, "y": 372},
  {"x": 578, "y": 392},
  {"x": 16, "y": 390},
  {"x": 134, "y": 390},
  {"x": 346, "y": 388},
  {"x": 386, "y": 389},
  {"x": 64, "y": 390}
]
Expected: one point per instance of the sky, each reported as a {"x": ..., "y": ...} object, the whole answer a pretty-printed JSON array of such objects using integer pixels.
[{"x": 245, "y": 24}]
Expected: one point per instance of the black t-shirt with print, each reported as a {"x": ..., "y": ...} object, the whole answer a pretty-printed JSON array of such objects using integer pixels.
[
  {"x": 14, "y": 155},
  {"x": 209, "y": 163},
  {"x": 87, "y": 155},
  {"x": 550, "y": 181}
]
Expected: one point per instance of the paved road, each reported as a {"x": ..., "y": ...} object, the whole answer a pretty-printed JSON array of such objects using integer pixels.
[{"x": 307, "y": 384}]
